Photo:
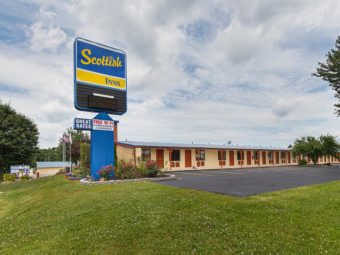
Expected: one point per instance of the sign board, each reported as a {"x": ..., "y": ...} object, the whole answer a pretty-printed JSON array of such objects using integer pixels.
[
  {"x": 82, "y": 124},
  {"x": 99, "y": 78},
  {"x": 104, "y": 125},
  {"x": 16, "y": 168}
]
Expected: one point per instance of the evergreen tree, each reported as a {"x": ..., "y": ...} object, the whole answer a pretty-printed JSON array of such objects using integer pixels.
[
  {"x": 330, "y": 72},
  {"x": 18, "y": 138}
]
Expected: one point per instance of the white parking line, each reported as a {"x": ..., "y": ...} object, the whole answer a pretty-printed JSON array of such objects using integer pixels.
[
  {"x": 198, "y": 174},
  {"x": 231, "y": 173}
]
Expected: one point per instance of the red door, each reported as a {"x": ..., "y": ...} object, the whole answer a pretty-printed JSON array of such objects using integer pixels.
[
  {"x": 277, "y": 157},
  {"x": 288, "y": 157},
  {"x": 263, "y": 157},
  {"x": 248, "y": 158},
  {"x": 188, "y": 158},
  {"x": 160, "y": 158},
  {"x": 231, "y": 158}
]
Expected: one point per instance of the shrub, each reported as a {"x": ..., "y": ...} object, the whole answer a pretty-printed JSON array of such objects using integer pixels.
[
  {"x": 77, "y": 172},
  {"x": 106, "y": 172},
  {"x": 25, "y": 178},
  {"x": 10, "y": 177},
  {"x": 85, "y": 159},
  {"x": 126, "y": 170},
  {"x": 302, "y": 162},
  {"x": 152, "y": 168},
  {"x": 61, "y": 171},
  {"x": 143, "y": 171}
]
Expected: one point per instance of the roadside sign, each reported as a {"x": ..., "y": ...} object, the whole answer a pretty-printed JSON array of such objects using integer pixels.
[
  {"x": 82, "y": 124},
  {"x": 104, "y": 125},
  {"x": 102, "y": 143},
  {"x": 16, "y": 168},
  {"x": 99, "y": 78}
]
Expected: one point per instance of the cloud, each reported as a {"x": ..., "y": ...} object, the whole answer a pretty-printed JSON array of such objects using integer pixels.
[
  {"x": 45, "y": 34},
  {"x": 197, "y": 71}
]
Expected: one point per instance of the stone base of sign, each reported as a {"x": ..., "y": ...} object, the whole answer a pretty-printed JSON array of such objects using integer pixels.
[{"x": 167, "y": 177}]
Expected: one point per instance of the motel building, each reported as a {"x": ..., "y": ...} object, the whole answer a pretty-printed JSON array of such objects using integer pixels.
[{"x": 176, "y": 157}]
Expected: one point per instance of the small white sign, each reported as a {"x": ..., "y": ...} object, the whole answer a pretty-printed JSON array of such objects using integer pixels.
[
  {"x": 16, "y": 168},
  {"x": 104, "y": 125}
]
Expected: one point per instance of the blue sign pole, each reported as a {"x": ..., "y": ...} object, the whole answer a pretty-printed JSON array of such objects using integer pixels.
[{"x": 102, "y": 143}]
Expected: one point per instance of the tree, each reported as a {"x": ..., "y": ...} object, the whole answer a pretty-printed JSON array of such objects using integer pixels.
[
  {"x": 325, "y": 145},
  {"x": 77, "y": 137},
  {"x": 329, "y": 145},
  {"x": 308, "y": 146},
  {"x": 330, "y": 72},
  {"x": 18, "y": 138},
  {"x": 50, "y": 154},
  {"x": 85, "y": 159}
]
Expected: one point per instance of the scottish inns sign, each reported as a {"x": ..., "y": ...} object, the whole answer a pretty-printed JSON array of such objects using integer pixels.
[{"x": 100, "y": 78}]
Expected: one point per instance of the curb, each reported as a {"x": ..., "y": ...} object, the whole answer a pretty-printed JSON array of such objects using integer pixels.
[{"x": 154, "y": 179}]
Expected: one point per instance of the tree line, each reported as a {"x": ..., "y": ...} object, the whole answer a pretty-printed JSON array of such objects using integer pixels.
[{"x": 314, "y": 148}]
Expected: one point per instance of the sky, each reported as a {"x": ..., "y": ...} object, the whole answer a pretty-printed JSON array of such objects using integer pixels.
[{"x": 198, "y": 71}]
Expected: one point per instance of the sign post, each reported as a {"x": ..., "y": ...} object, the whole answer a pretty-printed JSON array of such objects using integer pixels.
[
  {"x": 102, "y": 143},
  {"x": 99, "y": 86}
]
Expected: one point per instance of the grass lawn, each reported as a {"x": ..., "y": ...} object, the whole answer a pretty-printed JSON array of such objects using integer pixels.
[{"x": 55, "y": 216}]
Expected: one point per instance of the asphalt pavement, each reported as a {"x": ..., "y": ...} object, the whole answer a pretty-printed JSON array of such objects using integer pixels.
[{"x": 251, "y": 181}]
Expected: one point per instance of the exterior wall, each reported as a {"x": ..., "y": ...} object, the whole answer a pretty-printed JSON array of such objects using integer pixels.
[
  {"x": 211, "y": 158},
  {"x": 125, "y": 153},
  {"x": 48, "y": 171}
]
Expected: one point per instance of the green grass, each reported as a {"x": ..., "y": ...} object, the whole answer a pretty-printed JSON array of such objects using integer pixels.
[{"x": 55, "y": 216}]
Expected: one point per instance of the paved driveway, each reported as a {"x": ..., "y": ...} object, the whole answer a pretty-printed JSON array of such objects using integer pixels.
[{"x": 244, "y": 182}]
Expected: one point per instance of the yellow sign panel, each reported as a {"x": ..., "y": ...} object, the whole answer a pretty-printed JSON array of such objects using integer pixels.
[{"x": 100, "y": 79}]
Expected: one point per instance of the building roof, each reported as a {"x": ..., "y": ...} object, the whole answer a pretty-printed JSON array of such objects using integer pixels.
[
  {"x": 52, "y": 164},
  {"x": 199, "y": 146}
]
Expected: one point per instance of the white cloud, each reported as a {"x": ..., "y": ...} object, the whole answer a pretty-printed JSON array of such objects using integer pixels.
[{"x": 45, "y": 34}]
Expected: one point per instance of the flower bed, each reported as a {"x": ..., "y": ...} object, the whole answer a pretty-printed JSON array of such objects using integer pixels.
[{"x": 165, "y": 177}]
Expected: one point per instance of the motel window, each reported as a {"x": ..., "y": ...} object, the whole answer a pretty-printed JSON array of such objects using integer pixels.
[
  {"x": 200, "y": 155},
  {"x": 222, "y": 155},
  {"x": 146, "y": 154},
  {"x": 270, "y": 155},
  {"x": 175, "y": 155},
  {"x": 283, "y": 155},
  {"x": 256, "y": 155},
  {"x": 240, "y": 155}
]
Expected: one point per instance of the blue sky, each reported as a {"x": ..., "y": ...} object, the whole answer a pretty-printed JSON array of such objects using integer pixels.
[{"x": 198, "y": 71}]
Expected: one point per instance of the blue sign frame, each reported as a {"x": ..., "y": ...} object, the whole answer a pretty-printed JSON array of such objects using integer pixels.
[{"x": 96, "y": 70}]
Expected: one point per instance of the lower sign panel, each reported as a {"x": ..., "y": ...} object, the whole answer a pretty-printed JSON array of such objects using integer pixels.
[
  {"x": 100, "y": 99},
  {"x": 103, "y": 103}
]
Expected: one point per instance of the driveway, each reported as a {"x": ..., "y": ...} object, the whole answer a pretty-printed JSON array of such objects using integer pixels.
[{"x": 251, "y": 181}]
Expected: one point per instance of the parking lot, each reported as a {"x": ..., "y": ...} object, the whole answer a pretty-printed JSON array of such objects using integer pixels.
[{"x": 251, "y": 181}]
